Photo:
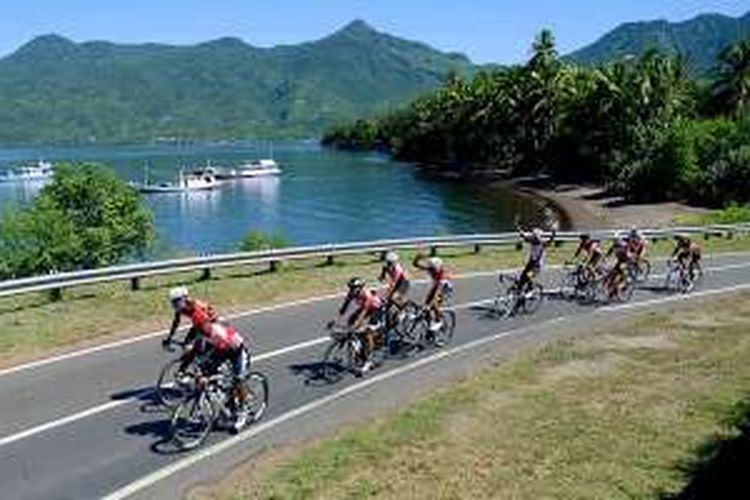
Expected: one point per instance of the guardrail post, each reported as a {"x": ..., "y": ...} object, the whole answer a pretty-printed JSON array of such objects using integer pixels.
[
  {"x": 519, "y": 246},
  {"x": 433, "y": 251},
  {"x": 55, "y": 294},
  {"x": 135, "y": 284},
  {"x": 382, "y": 256},
  {"x": 730, "y": 235},
  {"x": 707, "y": 236},
  {"x": 477, "y": 248},
  {"x": 206, "y": 275},
  {"x": 329, "y": 260},
  {"x": 273, "y": 266},
  {"x": 558, "y": 243}
]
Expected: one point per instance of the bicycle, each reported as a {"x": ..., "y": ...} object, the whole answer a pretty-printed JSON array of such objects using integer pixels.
[
  {"x": 578, "y": 280},
  {"x": 345, "y": 353},
  {"x": 639, "y": 269},
  {"x": 681, "y": 278},
  {"x": 513, "y": 299},
  {"x": 213, "y": 400},
  {"x": 170, "y": 388},
  {"x": 622, "y": 292},
  {"x": 417, "y": 322}
]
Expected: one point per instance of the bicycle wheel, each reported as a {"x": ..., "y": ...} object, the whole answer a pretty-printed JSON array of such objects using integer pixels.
[
  {"x": 643, "y": 270},
  {"x": 169, "y": 390},
  {"x": 338, "y": 359},
  {"x": 408, "y": 319},
  {"x": 673, "y": 279},
  {"x": 569, "y": 285},
  {"x": 533, "y": 298},
  {"x": 505, "y": 304},
  {"x": 626, "y": 290},
  {"x": 256, "y": 385},
  {"x": 192, "y": 420},
  {"x": 444, "y": 335}
]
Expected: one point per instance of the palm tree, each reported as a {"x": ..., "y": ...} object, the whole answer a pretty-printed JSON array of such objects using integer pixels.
[{"x": 731, "y": 92}]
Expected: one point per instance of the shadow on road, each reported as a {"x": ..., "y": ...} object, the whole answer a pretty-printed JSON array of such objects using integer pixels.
[{"x": 720, "y": 466}]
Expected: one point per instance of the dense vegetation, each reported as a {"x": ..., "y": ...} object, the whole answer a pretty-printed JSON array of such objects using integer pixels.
[
  {"x": 53, "y": 90},
  {"x": 699, "y": 40},
  {"x": 640, "y": 125},
  {"x": 85, "y": 218}
]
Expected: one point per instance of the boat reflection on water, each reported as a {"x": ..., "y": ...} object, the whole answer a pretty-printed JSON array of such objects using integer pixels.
[{"x": 266, "y": 189}]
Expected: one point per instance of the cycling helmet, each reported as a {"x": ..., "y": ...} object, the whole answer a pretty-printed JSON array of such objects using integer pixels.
[
  {"x": 391, "y": 257},
  {"x": 356, "y": 283},
  {"x": 585, "y": 236},
  {"x": 536, "y": 233},
  {"x": 435, "y": 263},
  {"x": 178, "y": 295}
]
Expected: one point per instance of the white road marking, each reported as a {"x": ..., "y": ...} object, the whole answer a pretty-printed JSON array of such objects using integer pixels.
[
  {"x": 320, "y": 340},
  {"x": 252, "y": 312},
  {"x": 111, "y": 405},
  {"x": 175, "y": 467}
]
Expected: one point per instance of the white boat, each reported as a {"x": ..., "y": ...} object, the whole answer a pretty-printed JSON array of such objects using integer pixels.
[
  {"x": 203, "y": 181},
  {"x": 38, "y": 171},
  {"x": 254, "y": 168}
]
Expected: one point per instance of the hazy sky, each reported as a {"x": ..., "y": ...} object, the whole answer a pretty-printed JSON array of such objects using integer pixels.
[{"x": 485, "y": 30}]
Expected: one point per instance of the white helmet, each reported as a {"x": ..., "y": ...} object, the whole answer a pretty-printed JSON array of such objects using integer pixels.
[
  {"x": 536, "y": 233},
  {"x": 178, "y": 293},
  {"x": 435, "y": 263},
  {"x": 391, "y": 257}
]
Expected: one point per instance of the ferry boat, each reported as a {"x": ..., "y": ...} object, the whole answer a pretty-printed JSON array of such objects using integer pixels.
[
  {"x": 38, "y": 171},
  {"x": 203, "y": 181},
  {"x": 252, "y": 169}
]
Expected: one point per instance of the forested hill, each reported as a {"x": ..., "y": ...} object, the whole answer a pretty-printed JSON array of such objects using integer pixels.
[
  {"x": 700, "y": 39},
  {"x": 53, "y": 90}
]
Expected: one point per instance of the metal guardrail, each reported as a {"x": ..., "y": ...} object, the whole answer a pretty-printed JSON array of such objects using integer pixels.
[{"x": 136, "y": 272}]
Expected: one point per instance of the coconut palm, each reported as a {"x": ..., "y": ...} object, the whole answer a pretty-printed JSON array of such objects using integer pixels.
[{"x": 731, "y": 92}]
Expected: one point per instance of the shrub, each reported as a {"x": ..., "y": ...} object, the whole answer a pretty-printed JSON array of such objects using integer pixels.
[{"x": 259, "y": 240}]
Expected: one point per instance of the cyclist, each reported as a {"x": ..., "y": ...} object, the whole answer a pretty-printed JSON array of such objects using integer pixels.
[
  {"x": 441, "y": 285},
  {"x": 537, "y": 251},
  {"x": 618, "y": 274},
  {"x": 592, "y": 250},
  {"x": 687, "y": 253},
  {"x": 394, "y": 273},
  {"x": 209, "y": 331},
  {"x": 365, "y": 320},
  {"x": 636, "y": 243}
]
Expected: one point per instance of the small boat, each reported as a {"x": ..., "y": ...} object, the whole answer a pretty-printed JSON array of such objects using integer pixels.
[
  {"x": 204, "y": 181},
  {"x": 38, "y": 171},
  {"x": 251, "y": 169}
]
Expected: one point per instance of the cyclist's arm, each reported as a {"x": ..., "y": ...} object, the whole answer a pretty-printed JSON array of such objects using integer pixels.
[
  {"x": 578, "y": 251},
  {"x": 172, "y": 329},
  {"x": 417, "y": 262},
  {"x": 359, "y": 322},
  {"x": 382, "y": 274}
]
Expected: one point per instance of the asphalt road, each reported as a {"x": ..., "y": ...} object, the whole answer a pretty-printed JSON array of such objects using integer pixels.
[{"x": 85, "y": 426}]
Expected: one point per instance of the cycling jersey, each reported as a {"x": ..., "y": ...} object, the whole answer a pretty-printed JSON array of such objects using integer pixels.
[
  {"x": 536, "y": 253},
  {"x": 205, "y": 321},
  {"x": 439, "y": 275},
  {"x": 636, "y": 246},
  {"x": 368, "y": 301},
  {"x": 590, "y": 247},
  {"x": 395, "y": 272}
]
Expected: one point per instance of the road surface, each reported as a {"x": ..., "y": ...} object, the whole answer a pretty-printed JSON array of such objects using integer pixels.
[{"x": 85, "y": 425}]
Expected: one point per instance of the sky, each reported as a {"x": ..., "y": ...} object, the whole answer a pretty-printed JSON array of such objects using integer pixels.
[{"x": 486, "y": 30}]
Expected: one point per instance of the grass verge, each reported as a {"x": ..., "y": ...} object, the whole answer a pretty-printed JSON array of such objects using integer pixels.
[
  {"x": 33, "y": 326},
  {"x": 652, "y": 408}
]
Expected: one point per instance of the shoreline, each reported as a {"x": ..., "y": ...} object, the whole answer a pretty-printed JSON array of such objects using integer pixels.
[{"x": 585, "y": 207}]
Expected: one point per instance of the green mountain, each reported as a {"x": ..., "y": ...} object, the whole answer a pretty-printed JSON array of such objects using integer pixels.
[
  {"x": 700, "y": 39},
  {"x": 53, "y": 90}
]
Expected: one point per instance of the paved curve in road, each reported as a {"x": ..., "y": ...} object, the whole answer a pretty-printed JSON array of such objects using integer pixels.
[{"x": 84, "y": 426}]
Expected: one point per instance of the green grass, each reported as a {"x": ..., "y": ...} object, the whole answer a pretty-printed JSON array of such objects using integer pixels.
[
  {"x": 732, "y": 214},
  {"x": 32, "y": 325},
  {"x": 630, "y": 412}
]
